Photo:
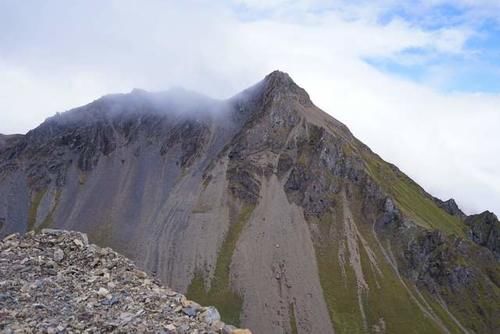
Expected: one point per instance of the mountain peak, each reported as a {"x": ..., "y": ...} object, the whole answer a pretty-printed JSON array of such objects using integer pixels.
[
  {"x": 278, "y": 77},
  {"x": 282, "y": 81},
  {"x": 278, "y": 83}
]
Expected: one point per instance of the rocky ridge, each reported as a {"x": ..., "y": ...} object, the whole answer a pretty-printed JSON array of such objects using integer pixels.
[
  {"x": 56, "y": 282},
  {"x": 451, "y": 207}
]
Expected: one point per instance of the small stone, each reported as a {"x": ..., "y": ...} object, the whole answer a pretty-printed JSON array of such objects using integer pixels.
[
  {"x": 141, "y": 274},
  {"x": 103, "y": 292},
  {"x": 58, "y": 255},
  {"x": 189, "y": 311},
  {"x": 78, "y": 242},
  {"x": 218, "y": 325},
  {"x": 170, "y": 327},
  {"x": 126, "y": 317},
  {"x": 189, "y": 303},
  {"x": 210, "y": 315},
  {"x": 171, "y": 293},
  {"x": 84, "y": 237},
  {"x": 228, "y": 329},
  {"x": 241, "y": 331},
  {"x": 52, "y": 231},
  {"x": 103, "y": 251},
  {"x": 110, "y": 300},
  {"x": 11, "y": 236}
]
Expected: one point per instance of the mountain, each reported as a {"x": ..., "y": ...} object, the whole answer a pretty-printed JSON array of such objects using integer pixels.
[{"x": 262, "y": 205}]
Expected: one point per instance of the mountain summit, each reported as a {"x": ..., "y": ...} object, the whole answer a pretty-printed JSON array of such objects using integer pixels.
[
  {"x": 278, "y": 81},
  {"x": 262, "y": 205}
]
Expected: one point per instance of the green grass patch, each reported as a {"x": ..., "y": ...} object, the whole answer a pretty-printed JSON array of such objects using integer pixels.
[
  {"x": 35, "y": 203},
  {"x": 386, "y": 300},
  {"x": 339, "y": 286},
  {"x": 441, "y": 313},
  {"x": 220, "y": 294},
  {"x": 293, "y": 320},
  {"x": 476, "y": 308},
  {"x": 387, "y": 297},
  {"x": 412, "y": 199}
]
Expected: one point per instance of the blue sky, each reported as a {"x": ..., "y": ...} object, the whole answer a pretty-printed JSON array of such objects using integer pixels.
[
  {"x": 475, "y": 69},
  {"x": 418, "y": 81}
]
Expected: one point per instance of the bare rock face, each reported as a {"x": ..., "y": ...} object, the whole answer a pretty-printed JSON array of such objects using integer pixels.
[
  {"x": 8, "y": 140},
  {"x": 451, "y": 207},
  {"x": 261, "y": 205},
  {"x": 485, "y": 231},
  {"x": 56, "y": 282}
]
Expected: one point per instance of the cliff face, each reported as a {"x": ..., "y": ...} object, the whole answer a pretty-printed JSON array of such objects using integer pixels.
[
  {"x": 262, "y": 205},
  {"x": 485, "y": 231}
]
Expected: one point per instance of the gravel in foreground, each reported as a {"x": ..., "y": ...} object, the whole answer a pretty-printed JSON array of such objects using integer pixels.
[{"x": 56, "y": 282}]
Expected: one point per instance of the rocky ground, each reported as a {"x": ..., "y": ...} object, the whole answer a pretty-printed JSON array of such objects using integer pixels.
[{"x": 56, "y": 282}]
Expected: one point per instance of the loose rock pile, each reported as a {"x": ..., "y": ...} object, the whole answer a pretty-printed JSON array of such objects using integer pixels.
[{"x": 56, "y": 282}]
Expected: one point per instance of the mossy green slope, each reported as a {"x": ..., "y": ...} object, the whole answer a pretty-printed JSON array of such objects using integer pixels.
[
  {"x": 386, "y": 300},
  {"x": 411, "y": 198},
  {"x": 391, "y": 303},
  {"x": 339, "y": 289}
]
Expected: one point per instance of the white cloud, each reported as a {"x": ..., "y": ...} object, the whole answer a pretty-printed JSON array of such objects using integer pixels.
[{"x": 54, "y": 56}]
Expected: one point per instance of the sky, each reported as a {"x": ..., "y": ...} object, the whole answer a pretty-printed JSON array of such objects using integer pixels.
[{"x": 418, "y": 81}]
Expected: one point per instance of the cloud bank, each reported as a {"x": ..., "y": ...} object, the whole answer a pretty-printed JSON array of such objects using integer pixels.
[{"x": 387, "y": 69}]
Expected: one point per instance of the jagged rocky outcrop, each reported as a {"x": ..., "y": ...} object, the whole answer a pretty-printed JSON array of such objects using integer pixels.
[
  {"x": 451, "y": 207},
  {"x": 485, "y": 230},
  {"x": 56, "y": 282},
  {"x": 262, "y": 205}
]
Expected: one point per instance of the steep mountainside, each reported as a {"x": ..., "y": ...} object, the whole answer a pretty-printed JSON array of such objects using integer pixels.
[{"x": 262, "y": 205}]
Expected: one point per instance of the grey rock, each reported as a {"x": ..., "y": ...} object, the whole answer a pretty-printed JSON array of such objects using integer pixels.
[
  {"x": 103, "y": 292},
  {"x": 190, "y": 311},
  {"x": 485, "y": 231},
  {"x": 450, "y": 206},
  {"x": 58, "y": 255},
  {"x": 84, "y": 295},
  {"x": 210, "y": 315}
]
